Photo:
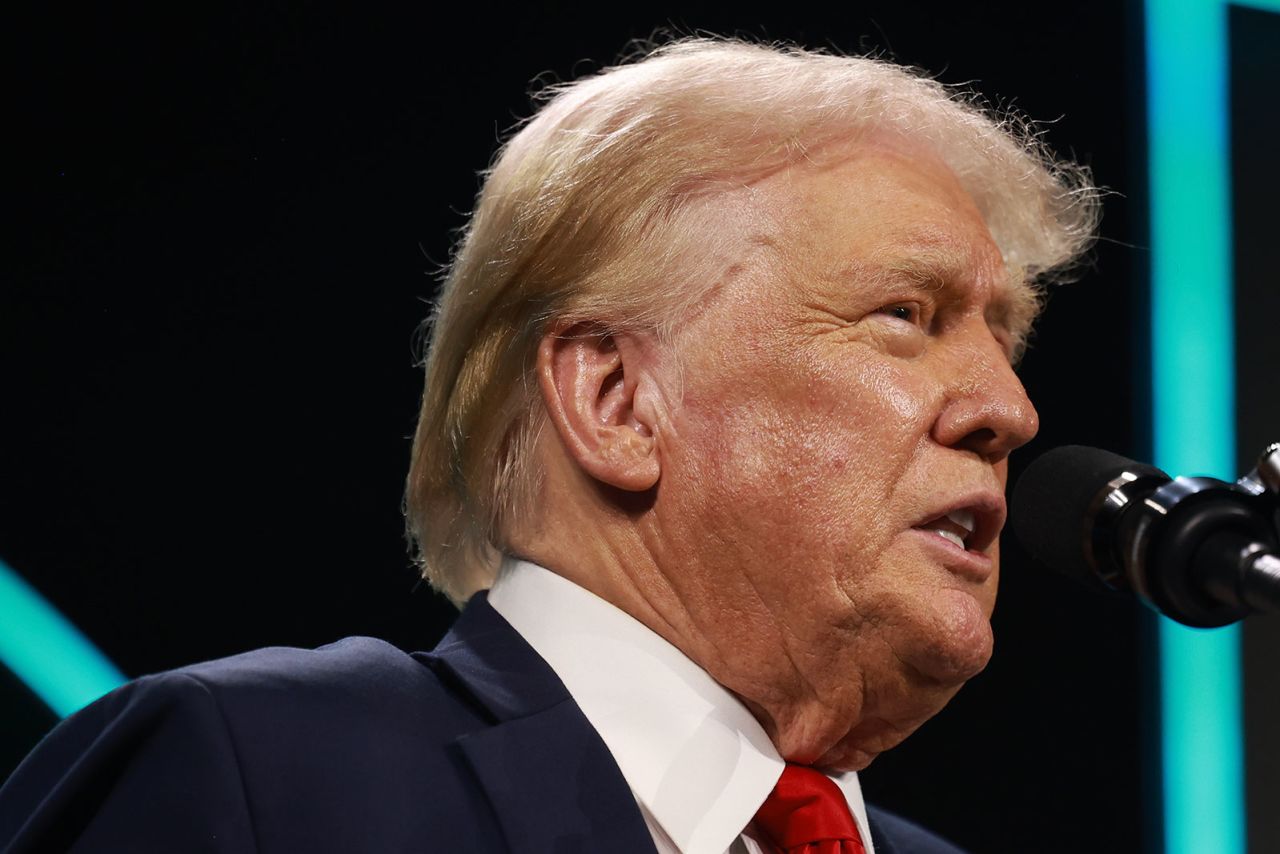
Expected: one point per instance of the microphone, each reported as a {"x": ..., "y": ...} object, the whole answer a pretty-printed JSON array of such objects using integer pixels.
[{"x": 1199, "y": 550}]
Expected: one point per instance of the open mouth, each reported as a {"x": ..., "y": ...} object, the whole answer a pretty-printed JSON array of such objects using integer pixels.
[{"x": 956, "y": 527}]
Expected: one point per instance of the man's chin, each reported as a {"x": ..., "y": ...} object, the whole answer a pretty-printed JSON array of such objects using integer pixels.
[{"x": 962, "y": 642}]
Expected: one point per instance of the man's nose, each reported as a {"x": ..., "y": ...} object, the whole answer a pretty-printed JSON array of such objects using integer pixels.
[{"x": 987, "y": 410}]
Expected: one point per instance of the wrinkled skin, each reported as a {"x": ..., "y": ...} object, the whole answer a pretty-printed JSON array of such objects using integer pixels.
[{"x": 847, "y": 380}]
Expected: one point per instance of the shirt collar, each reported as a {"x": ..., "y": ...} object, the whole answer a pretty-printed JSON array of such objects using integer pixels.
[{"x": 691, "y": 752}]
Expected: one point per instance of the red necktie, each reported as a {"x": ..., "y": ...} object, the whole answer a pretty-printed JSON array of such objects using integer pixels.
[{"x": 806, "y": 813}]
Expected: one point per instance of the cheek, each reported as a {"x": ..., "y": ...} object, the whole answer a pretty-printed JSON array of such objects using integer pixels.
[
  {"x": 819, "y": 440},
  {"x": 894, "y": 393}
]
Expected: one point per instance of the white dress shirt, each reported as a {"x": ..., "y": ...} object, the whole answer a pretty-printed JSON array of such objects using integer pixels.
[{"x": 698, "y": 763}]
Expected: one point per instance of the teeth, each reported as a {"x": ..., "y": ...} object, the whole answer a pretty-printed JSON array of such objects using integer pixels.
[
  {"x": 949, "y": 535},
  {"x": 963, "y": 518}
]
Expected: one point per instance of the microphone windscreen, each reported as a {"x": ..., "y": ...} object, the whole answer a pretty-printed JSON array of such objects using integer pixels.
[{"x": 1053, "y": 500}]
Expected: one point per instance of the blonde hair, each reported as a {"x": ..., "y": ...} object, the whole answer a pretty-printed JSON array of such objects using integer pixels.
[{"x": 579, "y": 219}]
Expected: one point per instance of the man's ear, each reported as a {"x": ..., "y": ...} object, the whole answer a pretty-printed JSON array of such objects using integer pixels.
[{"x": 592, "y": 382}]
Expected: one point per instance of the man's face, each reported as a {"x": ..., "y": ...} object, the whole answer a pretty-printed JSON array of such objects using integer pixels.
[{"x": 844, "y": 388}]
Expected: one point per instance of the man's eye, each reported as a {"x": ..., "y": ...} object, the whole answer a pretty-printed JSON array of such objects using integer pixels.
[{"x": 909, "y": 313}]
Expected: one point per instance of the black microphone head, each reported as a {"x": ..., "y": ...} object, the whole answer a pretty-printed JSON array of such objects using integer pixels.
[{"x": 1055, "y": 502}]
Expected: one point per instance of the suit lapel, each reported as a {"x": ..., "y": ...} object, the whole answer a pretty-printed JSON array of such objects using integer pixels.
[
  {"x": 551, "y": 780},
  {"x": 882, "y": 843},
  {"x": 554, "y": 785}
]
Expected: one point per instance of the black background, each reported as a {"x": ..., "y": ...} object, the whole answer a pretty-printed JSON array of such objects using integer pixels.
[{"x": 225, "y": 225}]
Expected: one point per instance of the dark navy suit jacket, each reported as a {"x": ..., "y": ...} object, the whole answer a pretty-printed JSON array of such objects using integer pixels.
[{"x": 473, "y": 747}]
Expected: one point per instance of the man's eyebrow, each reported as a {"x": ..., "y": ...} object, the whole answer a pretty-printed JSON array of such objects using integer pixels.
[
  {"x": 925, "y": 270},
  {"x": 931, "y": 269}
]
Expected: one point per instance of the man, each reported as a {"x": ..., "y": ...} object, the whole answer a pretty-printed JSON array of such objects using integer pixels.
[{"x": 719, "y": 399}]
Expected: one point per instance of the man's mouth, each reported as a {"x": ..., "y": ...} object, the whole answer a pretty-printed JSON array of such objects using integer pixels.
[{"x": 955, "y": 527}]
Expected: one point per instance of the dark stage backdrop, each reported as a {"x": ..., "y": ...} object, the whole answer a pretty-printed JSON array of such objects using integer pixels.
[{"x": 225, "y": 225}]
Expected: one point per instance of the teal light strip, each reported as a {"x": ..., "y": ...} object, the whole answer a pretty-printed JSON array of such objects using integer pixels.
[
  {"x": 1193, "y": 391},
  {"x": 1201, "y": 739},
  {"x": 46, "y": 652}
]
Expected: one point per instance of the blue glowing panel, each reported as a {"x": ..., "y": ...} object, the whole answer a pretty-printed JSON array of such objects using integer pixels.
[
  {"x": 1193, "y": 393},
  {"x": 46, "y": 652}
]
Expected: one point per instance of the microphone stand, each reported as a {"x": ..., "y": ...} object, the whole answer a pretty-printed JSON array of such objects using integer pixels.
[
  {"x": 1258, "y": 565},
  {"x": 1219, "y": 537}
]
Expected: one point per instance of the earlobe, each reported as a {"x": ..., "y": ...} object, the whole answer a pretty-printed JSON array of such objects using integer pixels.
[{"x": 591, "y": 381}]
